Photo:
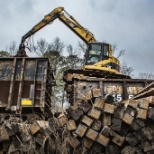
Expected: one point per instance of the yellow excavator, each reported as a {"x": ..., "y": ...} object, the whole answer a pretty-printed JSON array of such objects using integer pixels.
[{"x": 99, "y": 60}]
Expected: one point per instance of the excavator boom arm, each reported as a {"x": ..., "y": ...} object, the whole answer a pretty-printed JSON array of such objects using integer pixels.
[
  {"x": 68, "y": 20},
  {"x": 83, "y": 33},
  {"x": 45, "y": 21}
]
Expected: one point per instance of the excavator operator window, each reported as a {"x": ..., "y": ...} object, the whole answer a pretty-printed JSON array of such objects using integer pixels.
[
  {"x": 96, "y": 47},
  {"x": 105, "y": 51},
  {"x": 94, "y": 54}
]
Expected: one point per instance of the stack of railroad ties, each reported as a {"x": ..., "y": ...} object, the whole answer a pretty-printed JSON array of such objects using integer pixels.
[
  {"x": 92, "y": 125},
  {"x": 97, "y": 126},
  {"x": 39, "y": 137}
]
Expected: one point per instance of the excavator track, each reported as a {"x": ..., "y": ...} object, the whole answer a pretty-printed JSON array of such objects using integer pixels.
[{"x": 71, "y": 73}]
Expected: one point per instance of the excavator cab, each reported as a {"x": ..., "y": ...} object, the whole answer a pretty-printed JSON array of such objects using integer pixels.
[
  {"x": 99, "y": 57},
  {"x": 96, "y": 52}
]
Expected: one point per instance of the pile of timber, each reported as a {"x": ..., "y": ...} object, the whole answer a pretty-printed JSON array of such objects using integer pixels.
[
  {"x": 97, "y": 125},
  {"x": 39, "y": 137}
]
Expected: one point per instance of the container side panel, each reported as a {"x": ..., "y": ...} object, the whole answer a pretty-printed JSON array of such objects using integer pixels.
[
  {"x": 4, "y": 86},
  {"x": 6, "y": 69},
  {"x": 29, "y": 73}
]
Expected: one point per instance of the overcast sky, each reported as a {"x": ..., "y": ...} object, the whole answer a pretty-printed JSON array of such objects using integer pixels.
[{"x": 127, "y": 23}]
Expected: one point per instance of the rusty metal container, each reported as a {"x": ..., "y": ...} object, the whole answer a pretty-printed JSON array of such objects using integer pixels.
[
  {"x": 119, "y": 89},
  {"x": 26, "y": 85}
]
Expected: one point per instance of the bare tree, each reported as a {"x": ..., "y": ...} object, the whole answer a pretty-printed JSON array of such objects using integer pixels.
[
  {"x": 70, "y": 50},
  {"x": 125, "y": 69},
  {"x": 115, "y": 50},
  {"x": 41, "y": 47},
  {"x": 4, "y": 54},
  {"x": 12, "y": 48},
  {"x": 57, "y": 61},
  {"x": 73, "y": 59},
  {"x": 56, "y": 45},
  {"x": 143, "y": 75},
  {"x": 81, "y": 46}
]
